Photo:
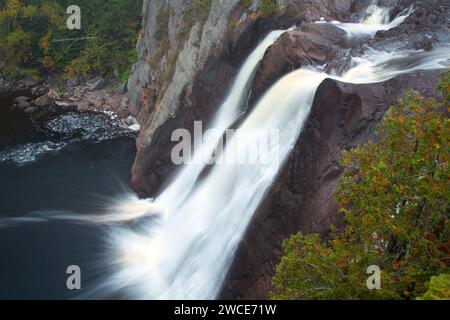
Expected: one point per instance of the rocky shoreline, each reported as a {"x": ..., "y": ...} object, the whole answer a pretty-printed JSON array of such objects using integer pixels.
[
  {"x": 45, "y": 98},
  {"x": 203, "y": 64}
]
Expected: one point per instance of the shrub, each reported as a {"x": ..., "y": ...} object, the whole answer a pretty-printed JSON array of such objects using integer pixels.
[
  {"x": 394, "y": 198},
  {"x": 438, "y": 288},
  {"x": 269, "y": 7}
]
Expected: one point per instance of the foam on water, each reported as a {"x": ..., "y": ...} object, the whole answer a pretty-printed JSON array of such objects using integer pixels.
[{"x": 377, "y": 19}]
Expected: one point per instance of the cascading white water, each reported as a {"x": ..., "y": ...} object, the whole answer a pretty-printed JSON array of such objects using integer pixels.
[
  {"x": 132, "y": 208},
  {"x": 227, "y": 113},
  {"x": 187, "y": 252},
  {"x": 376, "y": 19}
]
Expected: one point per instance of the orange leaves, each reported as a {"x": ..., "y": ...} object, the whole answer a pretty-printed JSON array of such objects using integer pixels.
[
  {"x": 397, "y": 264},
  {"x": 254, "y": 16}
]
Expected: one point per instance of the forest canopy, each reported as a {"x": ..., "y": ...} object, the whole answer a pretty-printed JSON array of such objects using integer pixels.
[{"x": 105, "y": 43}]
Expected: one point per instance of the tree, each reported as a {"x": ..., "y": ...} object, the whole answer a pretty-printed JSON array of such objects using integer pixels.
[
  {"x": 30, "y": 26},
  {"x": 394, "y": 199},
  {"x": 438, "y": 288}
]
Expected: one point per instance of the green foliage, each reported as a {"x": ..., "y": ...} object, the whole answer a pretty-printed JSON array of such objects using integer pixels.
[
  {"x": 444, "y": 85},
  {"x": 197, "y": 11},
  {"x": 438, "y": 288},
  {"x": 394, "y": 197},
  {"x": 202, "y": 8},
  {"x": 30, "y": 26},
  {"x": 269, "y": 7},
  {"x": 247, "y": 3}
]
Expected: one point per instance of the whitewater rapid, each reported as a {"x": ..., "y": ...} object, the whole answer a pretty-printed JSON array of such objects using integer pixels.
[{"x": 376, "y": 19}]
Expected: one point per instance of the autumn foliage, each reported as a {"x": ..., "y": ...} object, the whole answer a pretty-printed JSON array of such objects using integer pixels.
[
  {"x": 394, "y": 198},
  {"x": 31, "y": 30}
]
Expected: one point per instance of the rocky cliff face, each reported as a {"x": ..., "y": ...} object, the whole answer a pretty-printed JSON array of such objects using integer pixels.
[
  {"x": 343, "y": 116},
  {"x": 189, "y": 53}
]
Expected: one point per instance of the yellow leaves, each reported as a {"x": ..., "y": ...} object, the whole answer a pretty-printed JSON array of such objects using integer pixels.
[
  {"x": 420, "y": 133},
  {"x": 12, "y": 8},
  {"x": 254, "y": 16},
  {"x": 45, "y": 43},
  {"x": 47, "y": 63},
  {"x": 54, "y": 13}
]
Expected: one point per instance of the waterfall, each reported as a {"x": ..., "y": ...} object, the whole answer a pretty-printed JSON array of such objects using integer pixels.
[
  {"x": 186, "y": 254},
  {"x": 181, "y": 244},
  {"x": 227, "y": 113},
  {"x": 130, "y": 207},
  {"x": 376, "y": 19},
  {"x": 187, "y": 251}
]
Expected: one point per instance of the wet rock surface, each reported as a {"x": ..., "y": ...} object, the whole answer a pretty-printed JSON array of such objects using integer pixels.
[
  {"x": 230, "y": 33},
  {"x": 425, "y": 28},
  {"x": 343, "y": 115},
  {"x": 302, "y": 199},
  {"x": 29, "y": 131},
  {"x": 93, "y": 93},
  {"x": 311, "y": 45}
]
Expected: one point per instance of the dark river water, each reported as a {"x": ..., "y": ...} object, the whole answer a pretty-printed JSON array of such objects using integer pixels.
[{"x": 81, "y": 177}]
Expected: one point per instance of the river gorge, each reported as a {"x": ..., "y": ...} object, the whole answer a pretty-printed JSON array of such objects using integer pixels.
[{"x": 87, "y": 188}]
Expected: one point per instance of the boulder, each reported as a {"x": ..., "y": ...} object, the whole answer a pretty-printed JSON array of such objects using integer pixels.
[
  {"x": 31, "y": 110},
  {"x": 39, "y": 90},
  {"x": 116, "y": 102},
  {"x": 21, "y": 99},
  {"x": 43, "y": 101},
  {"x": 73, "y": 82},
  {"x": 83, "y": 106},
  {"x": 97, "y": 84},
  {"x": 23, "y": 105},
  {"x": 314, "y": 44}
]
